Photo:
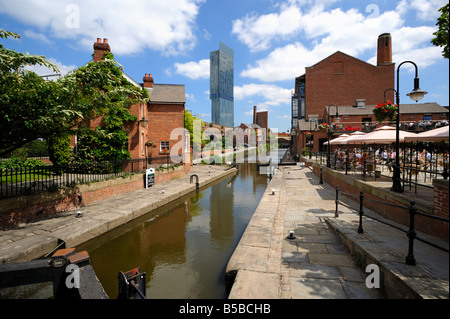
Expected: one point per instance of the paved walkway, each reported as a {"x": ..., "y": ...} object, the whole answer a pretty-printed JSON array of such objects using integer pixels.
[
  {"x": 34, "y": 240},
  {"x": 317, "y": 264}
]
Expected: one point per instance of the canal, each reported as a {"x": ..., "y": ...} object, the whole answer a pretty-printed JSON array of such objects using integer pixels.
[{"x": 184, "y": 246}]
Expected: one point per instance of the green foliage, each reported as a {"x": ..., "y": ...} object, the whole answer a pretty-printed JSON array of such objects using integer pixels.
[
  {"x": 18, "y": 162},
  {"x": 441, "y": 36},
  {"x": 35, "y": 148},
  {"x": 59, "y": 150},
  {"x": 31, "y": 107}
]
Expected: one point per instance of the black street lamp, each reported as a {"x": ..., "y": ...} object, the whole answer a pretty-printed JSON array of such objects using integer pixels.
[
  {"x": 329, "y": 133},
  {"x": 416, "y": 95}
]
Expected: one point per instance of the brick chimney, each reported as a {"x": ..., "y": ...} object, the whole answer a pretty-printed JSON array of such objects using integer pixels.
[
  {"x": 148, "y": 81},
  {"x": 100, "y": 49},
  {"x": 384, "y": 53},
  {"x": 255, "y": 115}
]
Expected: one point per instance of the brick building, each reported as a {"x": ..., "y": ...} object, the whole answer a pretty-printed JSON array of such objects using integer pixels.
[
  {"x": 156, "y": 118},
  {"x": 352, "y": 87},
  {"x": 260, "y": 118}
]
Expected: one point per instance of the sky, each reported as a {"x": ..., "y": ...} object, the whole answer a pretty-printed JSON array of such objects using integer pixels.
[{"x": 273, "y": 42}]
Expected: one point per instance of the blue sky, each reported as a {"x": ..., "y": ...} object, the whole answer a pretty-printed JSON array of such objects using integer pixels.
[{"x": 273, "y": 42}]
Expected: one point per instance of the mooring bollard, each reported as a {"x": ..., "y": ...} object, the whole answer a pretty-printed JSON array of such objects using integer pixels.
[
  {"x": 321, "y": 179},
  {"x": 361, "y": 213},
  {"x": 197, "y": 185}
]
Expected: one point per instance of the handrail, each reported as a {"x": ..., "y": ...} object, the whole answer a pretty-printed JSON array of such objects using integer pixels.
[{"x": 412, "y": 211}]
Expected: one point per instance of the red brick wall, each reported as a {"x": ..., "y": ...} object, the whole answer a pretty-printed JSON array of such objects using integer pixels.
[
  {"x": 262, "y": 119},
  {"x": 327, "y": 84},
  {"x": 137, "y": 134},
  {"x": 162, "y": 120},
  {"x": 441, "y": 205},
  {"x": 36, "y": 207}
]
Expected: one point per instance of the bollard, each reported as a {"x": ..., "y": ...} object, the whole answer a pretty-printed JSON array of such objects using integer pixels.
[
  {"x": 337, "y": 202},
  {"x": 410, "y": 260},
  {"x": 321, "y": 180},
  {"x": 197, "y": 185},
  {"x": 361, "y": 213},
  {"x": 291, "y": 235}
]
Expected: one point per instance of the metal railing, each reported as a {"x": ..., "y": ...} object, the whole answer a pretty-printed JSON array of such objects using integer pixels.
[
  {"x": 414, "y": 174},
  {"x": 410, "y": 233},
  {"x": 29, "y": 180}
]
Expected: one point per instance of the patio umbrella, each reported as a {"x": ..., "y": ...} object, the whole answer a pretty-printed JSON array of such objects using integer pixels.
[
  {"x": 382, "y": 135},
  {"x": 353, "y": 136},
  {"x": 338, "y": 140},
  {"x": 437, "y": 134}
]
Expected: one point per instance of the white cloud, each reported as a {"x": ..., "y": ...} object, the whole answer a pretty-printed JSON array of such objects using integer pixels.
[
  {"x": 190, "y": 97},
  {"x": 348, "y": 31},
  {"x": 37, "y": 36},
  {"x": 166, "y": 26},
  {"x": 427, "y": 10},
  {"x": 42, "y": 70},
  {"x": 272, "y": 94},
  {"x": 258, "y": 31},
  {"x": 194, "y": 70}
]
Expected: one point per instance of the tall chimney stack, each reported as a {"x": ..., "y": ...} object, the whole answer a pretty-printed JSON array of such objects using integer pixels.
[
  {"x": 255, "y": 115},
  {"x": 100, "y": 49},
  {"x": 148, "y": 80},
  {"x": 384, "y": 53}
]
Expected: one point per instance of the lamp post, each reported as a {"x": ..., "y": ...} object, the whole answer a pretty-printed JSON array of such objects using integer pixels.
[
  {"x": 416, "y": 95},
  {"x": 329, "y": 133}
]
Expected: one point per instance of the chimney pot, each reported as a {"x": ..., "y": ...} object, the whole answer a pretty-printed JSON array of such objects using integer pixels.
[
  {"x": 99, "y": 40},
  {"x": 105, "y": 40}
]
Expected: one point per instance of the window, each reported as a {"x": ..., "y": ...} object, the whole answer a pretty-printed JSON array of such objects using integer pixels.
[
  {"x": 360, "y": 102},
  {"x": 427, "y": 118},
  {"x": 164, "y": 146}
]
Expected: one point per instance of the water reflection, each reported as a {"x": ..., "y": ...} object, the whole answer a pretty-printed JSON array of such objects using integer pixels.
[{"x": 183, "y": 248}]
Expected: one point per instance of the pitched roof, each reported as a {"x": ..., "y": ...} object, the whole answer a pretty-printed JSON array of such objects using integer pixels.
[{"x": 167, "y": 93}]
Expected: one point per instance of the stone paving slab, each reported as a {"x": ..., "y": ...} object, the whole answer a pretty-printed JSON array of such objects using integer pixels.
[{"x": 326, "y": 259}]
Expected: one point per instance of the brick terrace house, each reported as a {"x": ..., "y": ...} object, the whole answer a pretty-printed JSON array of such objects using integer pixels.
[
  {"x": 353, "y": 87},
  {"x": 156, "y": 118}
]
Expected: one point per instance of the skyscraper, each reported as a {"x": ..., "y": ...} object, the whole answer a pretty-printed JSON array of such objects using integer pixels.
[{"x": 222, "y": 85}]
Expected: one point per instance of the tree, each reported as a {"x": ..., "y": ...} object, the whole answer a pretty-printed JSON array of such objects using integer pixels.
[
  {"x": 441, "y": 36},
  {"x": 31, "y": 107},
  {"x": 24, "y": 97}
]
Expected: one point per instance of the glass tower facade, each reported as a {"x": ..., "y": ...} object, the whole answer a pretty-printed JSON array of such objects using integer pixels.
[{"x": 222, "y": 86}]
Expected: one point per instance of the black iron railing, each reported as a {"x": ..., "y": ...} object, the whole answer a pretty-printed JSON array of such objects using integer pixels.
[
  {"x": 29, "y": 180},
  {"x": 412, "y": 211}
]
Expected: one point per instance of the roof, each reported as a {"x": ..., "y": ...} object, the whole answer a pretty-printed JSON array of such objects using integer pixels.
[
  {"x": 334, "y": 54},
  {"x": 416, "y": 108},
  {"x": 167, "y": 93}
]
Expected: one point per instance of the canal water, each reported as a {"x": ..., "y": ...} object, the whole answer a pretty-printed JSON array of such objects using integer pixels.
[{"x": 185, "y": 246}]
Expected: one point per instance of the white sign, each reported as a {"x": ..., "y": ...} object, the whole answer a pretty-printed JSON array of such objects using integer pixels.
[{"x": 149, "y": 177}]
